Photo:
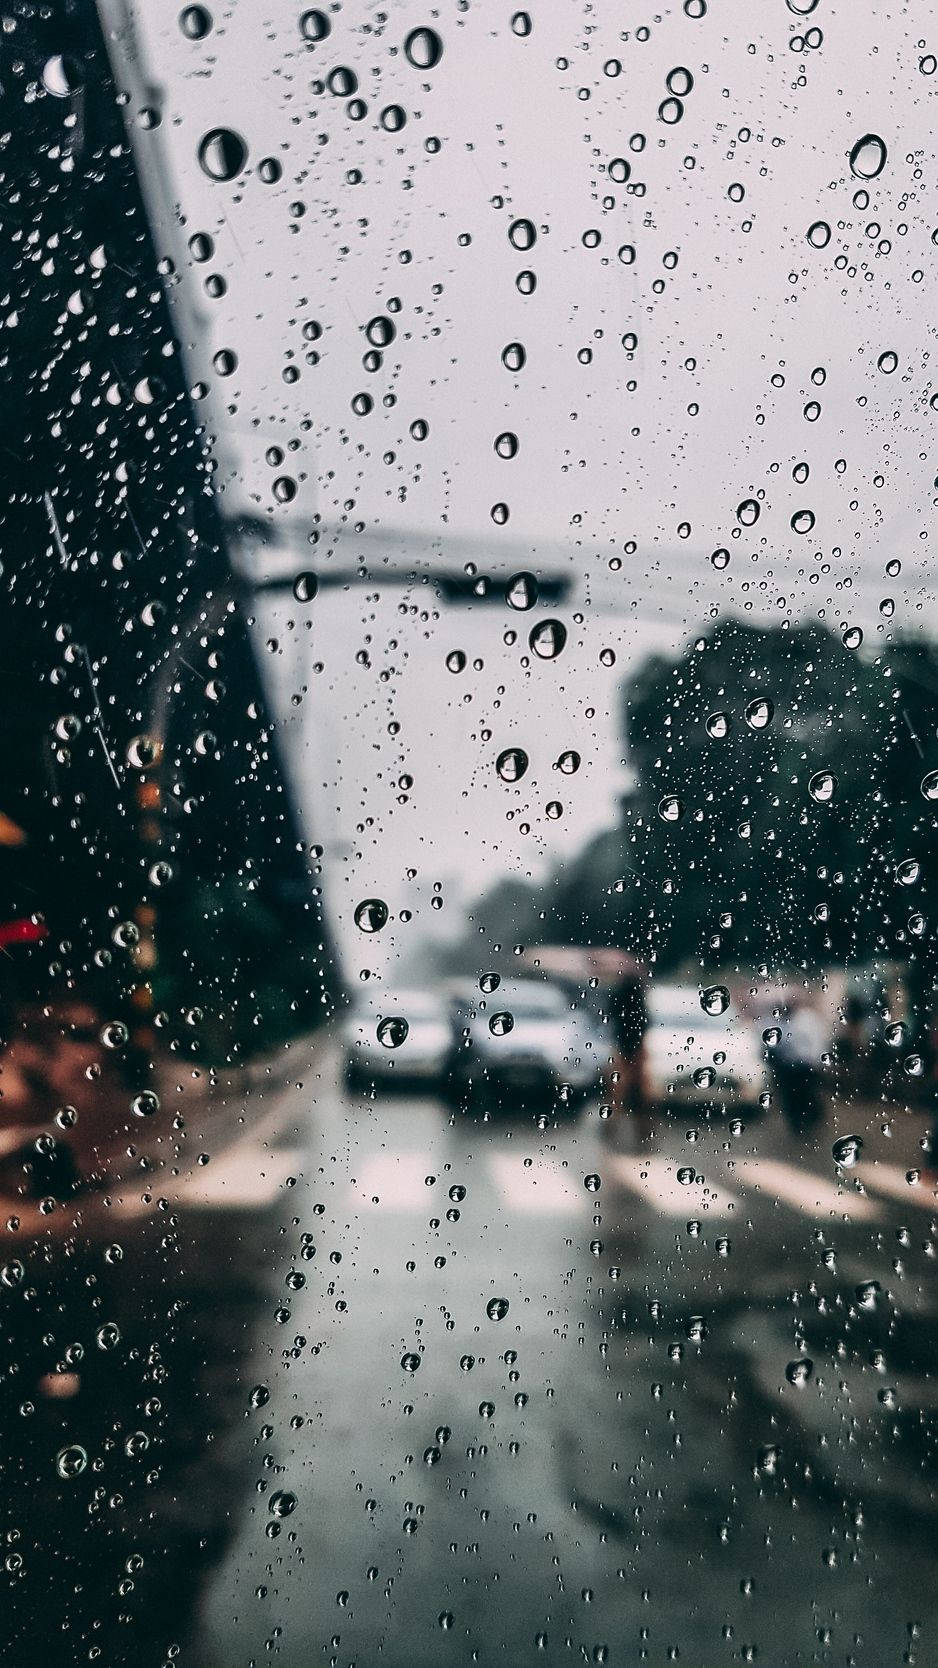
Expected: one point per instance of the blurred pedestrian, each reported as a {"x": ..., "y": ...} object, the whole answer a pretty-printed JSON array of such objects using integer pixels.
[
  {"x": 627, "y": 1018},
  {"x": 796, "y": 1067}
]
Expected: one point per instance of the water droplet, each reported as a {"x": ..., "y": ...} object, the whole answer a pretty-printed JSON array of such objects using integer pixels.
[
  {"x": 670, "y": 808},
  {"x": 846, "y": 1151},
  {"x": 547, "y": 639},
  {"x": 342, "y": 82},
  {"x": 853, "y": 637},
  {"x": 497, "y": 1308},
  {"x": 522, "y": 234},
  {"x": 380, "y": 331},
  {"x": 569, "y": 762},
  {"x": 371, "y": 914},
  {"x": 423, "y": 48},
  {"x": 718, "y": 725},
  {"x": 455, "y": 661},
  {"x": 715, "y": 999},
  {"x": 222, "y": 153},
  {"x": 930, "y": 785},
  {"x": 305, "y": 586},
  {"x": 798, "y": 1372},
  {"x": 679, "y": 81},
  {"x": 315, "y": 26},
  {"x": 802, "y": 521},
  {"x": 61, "y": 75},
  {"x": 511, "y": 764},
  {"x": 500, "y": 1024},
  {"x": 514, "y": 356},
  {"x": 748, "y": 512},
  {"x": 145, "y": 1104},
  {"x": 686, "y": 1175},
  {"x": 195, "y": 22},
  {"x": 259, "y": 1396},
  {"x": 521, "y": 591},
  {"x": 506, "y": 444},
  {"x": 392, "y": 1031},
  {"x": 908, "y": 871},
  {"x": 819, "y": 234},
  {"x": 282, "y": 1504},
  {"x": 71, "y": 1461},
  {"x": 670, "y": 111},
  {"x": 410, "y": 1362},
  {"x": 142, "y": 751},
  {"x": 759, "y": 713},
  {"x": 521, "y": 24},
  {"x": 821, "y": 786},
  {"x": 868, "y": 157}
]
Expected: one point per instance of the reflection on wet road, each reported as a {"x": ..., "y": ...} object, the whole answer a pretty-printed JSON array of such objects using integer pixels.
[
  {"x": 395, "y": 1383},
  {"x": 706, "y": 1379}
]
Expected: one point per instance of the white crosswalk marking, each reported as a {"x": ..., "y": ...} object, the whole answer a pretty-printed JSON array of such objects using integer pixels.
[
  {"x": 804, "y": 1190},
  {"x": 656, "y": 1180},
  {"x": 247, "y": 1175},
  {"x": 535, "y": 1187},
  {"x": 396, "y": 1180},
  {"x": 891, "y": 1179}
]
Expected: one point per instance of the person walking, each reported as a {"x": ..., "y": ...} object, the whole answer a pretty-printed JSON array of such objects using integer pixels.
[
  {"x": 627, "y": 1021},
  {"x": 796, "y": 1066}
]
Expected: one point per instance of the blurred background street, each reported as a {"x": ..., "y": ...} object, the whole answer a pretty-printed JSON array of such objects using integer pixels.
[{"x": 517, "y": 1489}]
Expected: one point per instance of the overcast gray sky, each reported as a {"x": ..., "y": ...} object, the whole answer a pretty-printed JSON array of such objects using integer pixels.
[{"x": 659, "y": 445}]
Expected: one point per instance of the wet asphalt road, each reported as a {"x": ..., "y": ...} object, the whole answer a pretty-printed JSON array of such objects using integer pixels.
[
  {"x": 357, "y": 1457},
  {"x": 619, "y": 1468}
]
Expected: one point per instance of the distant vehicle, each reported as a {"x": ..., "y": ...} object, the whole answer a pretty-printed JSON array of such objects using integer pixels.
[
  {"x": 402, "y": 1036},
  {"x": 522, "y": 1040},
  {"x": 696, "y": 1059}
]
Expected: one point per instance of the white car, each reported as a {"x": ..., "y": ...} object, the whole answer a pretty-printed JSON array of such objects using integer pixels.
[
  {"x": 693, "y": 1058},
  {"x": 522, "y": 1039},
  {"x": 397, "y": 1037}
]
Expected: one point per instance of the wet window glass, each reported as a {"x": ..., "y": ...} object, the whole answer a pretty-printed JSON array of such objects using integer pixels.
[{"x": 468, "y": 816}]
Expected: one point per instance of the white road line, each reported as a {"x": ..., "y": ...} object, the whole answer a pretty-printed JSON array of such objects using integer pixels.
[
  {"x": 394, "y": 1180},
  {"x": 247, "y": 1175},
  {"x": 891, "y": 1180},
  {"x": 538, "y": 1189},
  {"x": 805, "y": 1191},
  {"x": 656, "y": 1180}
]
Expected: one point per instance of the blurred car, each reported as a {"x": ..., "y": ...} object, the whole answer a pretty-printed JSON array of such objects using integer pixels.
[
  {"x": 402, "y": 1036},
  {"x": 522, "y": 1039},
  {"x": 696, "y": 1059}
]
